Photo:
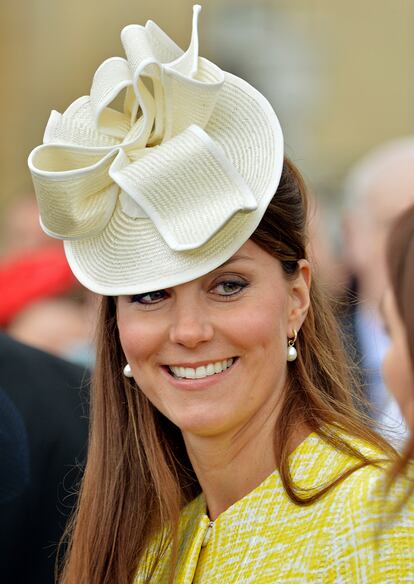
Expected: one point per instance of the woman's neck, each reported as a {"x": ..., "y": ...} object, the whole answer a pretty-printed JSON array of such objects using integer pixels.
[{"x": 229, "y": 466}]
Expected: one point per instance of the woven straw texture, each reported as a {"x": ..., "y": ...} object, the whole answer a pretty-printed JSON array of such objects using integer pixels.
[{"x": 167, "y": 189}]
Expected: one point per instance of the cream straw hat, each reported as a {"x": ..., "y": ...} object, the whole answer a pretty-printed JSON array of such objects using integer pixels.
[{"x": 171, "y": 187}]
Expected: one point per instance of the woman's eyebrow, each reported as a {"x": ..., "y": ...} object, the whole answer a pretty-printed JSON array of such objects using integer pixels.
[{"x": 235, "y": 258}]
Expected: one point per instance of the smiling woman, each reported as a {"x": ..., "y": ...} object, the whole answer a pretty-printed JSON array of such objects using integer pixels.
[
  {"x": 197, "y": 349},
  {"x": 224, "y": 431}
]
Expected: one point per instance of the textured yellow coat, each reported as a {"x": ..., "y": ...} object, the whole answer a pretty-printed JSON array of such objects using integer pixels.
[{"x": 266, "y": 538}]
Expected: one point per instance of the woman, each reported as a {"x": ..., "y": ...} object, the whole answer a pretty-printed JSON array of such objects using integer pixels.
[
  {"x": 224, "y": 444},
  {"x": 398, "y": 365}
]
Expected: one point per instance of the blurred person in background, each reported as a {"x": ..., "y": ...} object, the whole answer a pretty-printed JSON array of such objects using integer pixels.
[
  {"x": 43, "y": 413},
  {"x": 377, "y": 190},
  {"x": 398, "y": 314},
  {"x": 42, "y": 303},
  {"x": 43, "y": 436}
]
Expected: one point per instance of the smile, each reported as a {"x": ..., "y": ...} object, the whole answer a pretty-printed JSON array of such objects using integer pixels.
[{"x": 202, "y": 371}]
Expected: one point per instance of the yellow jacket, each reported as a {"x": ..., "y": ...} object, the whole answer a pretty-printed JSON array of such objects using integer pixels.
[{"x": 348, "y": 536}]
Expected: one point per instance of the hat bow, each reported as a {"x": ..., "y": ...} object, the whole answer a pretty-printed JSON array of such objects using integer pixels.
[{"x": 155, "y": 156}]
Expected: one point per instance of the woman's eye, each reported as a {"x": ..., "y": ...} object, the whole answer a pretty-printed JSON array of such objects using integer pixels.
[
  {"x": 149, "y": 297},
  {"x": 229, "y": 287}
]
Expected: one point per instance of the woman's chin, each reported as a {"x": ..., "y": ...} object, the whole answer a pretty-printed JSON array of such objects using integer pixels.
[{"x": 203, "y": 424}]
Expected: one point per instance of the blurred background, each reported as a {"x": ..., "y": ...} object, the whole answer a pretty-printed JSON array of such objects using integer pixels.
[{"x": 339, "y": 75}]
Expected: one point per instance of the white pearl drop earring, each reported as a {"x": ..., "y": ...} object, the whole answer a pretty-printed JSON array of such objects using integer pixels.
[
  {"x": 291, "y": 351},
  {"x": 127, "y": 370}
]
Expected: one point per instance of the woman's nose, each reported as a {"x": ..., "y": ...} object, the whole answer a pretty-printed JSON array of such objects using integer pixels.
[{"x": 190, "y": 326}]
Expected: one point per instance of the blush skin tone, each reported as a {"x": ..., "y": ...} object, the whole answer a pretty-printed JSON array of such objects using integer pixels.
[
  {"x": 397, "y": 367},
  {"x": 235, "y": 320}
]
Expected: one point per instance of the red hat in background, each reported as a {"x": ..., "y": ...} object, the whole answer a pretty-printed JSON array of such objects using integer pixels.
[{"x": 32, "y": 276}]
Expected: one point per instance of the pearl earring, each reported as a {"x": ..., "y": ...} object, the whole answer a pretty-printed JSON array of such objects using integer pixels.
[
  {"x": 127, "y": 370},
  {"x": 291, "y": 351}
]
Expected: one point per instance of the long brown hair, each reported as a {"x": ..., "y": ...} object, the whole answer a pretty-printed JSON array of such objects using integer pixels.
[
  {"x": 400, "y": 264},
  {"x": 138, "y": 475}
]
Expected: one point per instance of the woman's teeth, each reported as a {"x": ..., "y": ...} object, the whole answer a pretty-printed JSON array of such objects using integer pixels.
[{"x": 203, "y": 371}]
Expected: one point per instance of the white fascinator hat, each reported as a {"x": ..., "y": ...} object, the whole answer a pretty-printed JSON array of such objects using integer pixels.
[{"x": 171, "y": 187}]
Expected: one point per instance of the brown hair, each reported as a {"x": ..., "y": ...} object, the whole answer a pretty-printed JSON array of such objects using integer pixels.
[
  {"x": 400, "y": 263},
  {"x": 138, "y": 475}
]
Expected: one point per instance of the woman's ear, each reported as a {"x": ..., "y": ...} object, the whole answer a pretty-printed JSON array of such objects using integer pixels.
[{"x": 299, "y": 296}]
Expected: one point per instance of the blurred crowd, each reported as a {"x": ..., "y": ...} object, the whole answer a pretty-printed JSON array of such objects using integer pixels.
[
  {"x": 46, "y": 349},
  {"x": 41, "y": 302}
]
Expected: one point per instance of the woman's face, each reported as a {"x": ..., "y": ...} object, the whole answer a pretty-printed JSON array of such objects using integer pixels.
[
  {"x": 397, "y": 366},
  {"x": 210, "y": 354}
]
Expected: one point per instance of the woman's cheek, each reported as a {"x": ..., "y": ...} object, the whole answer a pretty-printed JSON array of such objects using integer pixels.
[
  {"x": 264, "y": 326},
  {"x": 134, "y": 337}
]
